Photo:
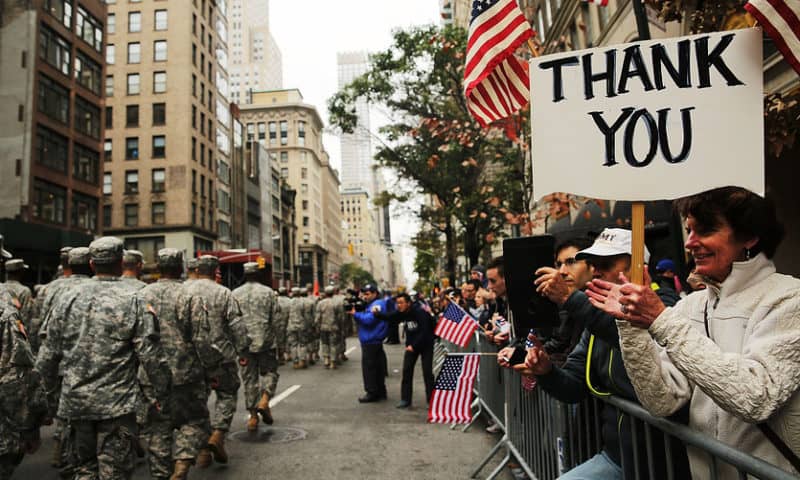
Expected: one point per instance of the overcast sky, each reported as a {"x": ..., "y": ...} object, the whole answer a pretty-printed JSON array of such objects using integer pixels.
[{"x": 311, "y": 33}]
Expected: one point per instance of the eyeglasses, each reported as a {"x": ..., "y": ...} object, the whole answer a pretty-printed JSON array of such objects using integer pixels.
[{"x": 567, "y": 261}]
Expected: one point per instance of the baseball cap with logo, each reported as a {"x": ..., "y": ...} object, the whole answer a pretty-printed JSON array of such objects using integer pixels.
[
  {"x": 611, "y": 241},
  {"x": 369, "y": 288}
]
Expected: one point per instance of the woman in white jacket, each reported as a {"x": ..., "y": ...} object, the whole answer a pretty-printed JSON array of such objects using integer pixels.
[{"x": 732, "y": 350}]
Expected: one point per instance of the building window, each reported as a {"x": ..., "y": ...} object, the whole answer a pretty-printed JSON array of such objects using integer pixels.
[
  {"x": 87, "y": 118},
  {"x": 273, "y": 133},
  {"x": 109, "y": 86},
  {"x": 194, "y": 149},
  {"x": 132, "y": 148},
  {"x": 131, "y": 181},
  {"x": 305, "y": 221},
  {"x": 161, "y": 20},
  {"x": 194, "y": 85},
  {"x": 133, "y": 84},
  {"x": 159, "y": 82},
  {"x": 223, "y": 201},
  {"x": 107, "y": 183},
  {"x": 194, "y": 181},
  {"x": 160, "y": 51},
  {"x": 159, "y": 146},
  {"x": 158, "y": 212},
  {"x": 134, "y": 52},
  {"x": 194, "y": 116},
  {"x": 194, "y": 213},
  {"x": 51, "y": 149},
  {"x": 262, "y": 131},
  {"x": 224, "y": 229},
  {"x": 110, "y": 54},
  {"x": 306, "y": 238},
  {"x": 304, "y": 173},
  {"x": 131, "y": 214},
  {"x": 202, "y": 186},
  {"x": 159, "y": 113},
  {"x": 284, "y": 172},
  {"x": 132, "y": 116},
  {"x": 284, "y": 132},
  {"x": 84, "y": 211},
  {"x": 88, "y": 73},
  {"x": 106, "y": 216},
  {"x": 107, "y": 147},
  {"x": 303, "y": 188},
  {"x": 301, "y": 133},
  {"x": 203, "y": 217},
  {"x": 158, "y": 180},
  {"x": 89, "y": 29},
  {"x": 109, "y": 118},
  {"x": 61, "y": 10},
  {"x": 284, "y": 157},
  {"x": 251, "y": 130},
  {"x": 85, "y": 164},
  {"x": 111, "y": 23},
  {"x": 223, "y": 171},
  {"x": 53, "y": 100},
  {"x": 49, "y": 202},
  {"x": 54, "y": 50},
  {"x": 134, "y": 22},
  {"x": 305, "y": 204}
]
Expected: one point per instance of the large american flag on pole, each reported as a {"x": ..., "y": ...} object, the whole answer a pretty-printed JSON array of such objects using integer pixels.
[
  {"x": 496, "y": 83},
  {"x": 455, "y": 325},
  {"x": 452, "y": 392},
  {"x": 781, "y": 20}
]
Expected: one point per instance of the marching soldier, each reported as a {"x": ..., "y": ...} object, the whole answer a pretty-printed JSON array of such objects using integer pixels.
[
  {"x": 191, "y": 271},
  {"x": 21, "y": 296},
  {"x": 311, "y": 329},
  {"x": 296, "y": 330},
  {"x": 45, "y": 297},
  {"x": 284, "y": 302},
  {"x": 100, "y": 333},
  {"x": 228, "y": 333},
  {"x": 132, "y": 263},
  {"x": 259, "y": 365},
  {"x": 345, "y": 326},
  {"x": 327, "y": 317},
  {"x": 185, "y": 339}
]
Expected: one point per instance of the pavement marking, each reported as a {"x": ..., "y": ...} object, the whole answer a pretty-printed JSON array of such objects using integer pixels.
[
  {"x": 283, "y": 395},
  {"x": 350, "y": 350}
]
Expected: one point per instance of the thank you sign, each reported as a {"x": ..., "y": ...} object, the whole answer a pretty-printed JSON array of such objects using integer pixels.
[{"x": 650, "y": 120}]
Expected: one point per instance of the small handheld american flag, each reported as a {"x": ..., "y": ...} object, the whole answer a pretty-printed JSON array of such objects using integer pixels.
[
  {"x": 455, "y": 325},
  {"x": 452, "y": 392},
  {"x": 529, "y": 383}
]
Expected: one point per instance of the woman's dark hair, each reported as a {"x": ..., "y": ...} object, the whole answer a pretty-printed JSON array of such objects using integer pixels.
[{"x": 748, "y": 214}]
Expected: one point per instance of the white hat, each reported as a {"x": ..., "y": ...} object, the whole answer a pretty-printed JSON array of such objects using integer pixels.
[{"x": 611, "y": 241}]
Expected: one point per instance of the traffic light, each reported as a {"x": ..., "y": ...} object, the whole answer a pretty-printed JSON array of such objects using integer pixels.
[
  {"x": 350, "y": 249},
  {"x": 262, "y": 262}
]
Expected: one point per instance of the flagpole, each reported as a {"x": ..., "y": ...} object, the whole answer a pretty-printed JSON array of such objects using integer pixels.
[
  {"x": 469, "y": 354},
  {"x": 532, "y": 48}
]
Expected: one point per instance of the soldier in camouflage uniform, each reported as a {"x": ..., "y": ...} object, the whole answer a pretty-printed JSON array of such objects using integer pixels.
[
  {"x": 23, "y": 404},
  {"x": 185, "y": 339},
  {"x": 345, "y": 323},
  {"x": 284, "y": 302},
  {"x": 229, "y": 334},
  {"x": 21, "y": 295},
  {"x": 259, "y": 365},
  {"x": 311, "y": 328},
  {"x": 132, "y": 263},
  {"x": 296, "y": 330},
  {"x": 101, "y": 333},
  {"x": 191, "y": 271},
  {"x": 79, "y": 273},
  {"x": 45, "y": 297},
  {"x": 327, "y": 317}
]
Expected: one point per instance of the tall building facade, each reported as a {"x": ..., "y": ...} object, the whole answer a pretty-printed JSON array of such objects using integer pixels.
[
  {"x": 255, "y": 58},
  {"x": 356, "y": 147},
  {"x": 291, "y": 131},
  {"x": 168, "y": 125},
  {"x": 51, "y": 95}
]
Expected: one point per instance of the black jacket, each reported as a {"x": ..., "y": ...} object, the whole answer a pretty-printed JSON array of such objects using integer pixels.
[{"x": 418, "y": 324}]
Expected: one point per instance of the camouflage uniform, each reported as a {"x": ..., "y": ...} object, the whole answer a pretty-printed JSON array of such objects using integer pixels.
[
  {"x": 100, "y": 333},
  {"x": 229, "y": 335},
  {"x": 131, "y": 283},
  {"x": 281, "y": 321},
  {"x": 260, "y": 310},
  {"x": 21, "y": 295},
  {"x": 132, "y": 257},
  {"x": 312, "y": 328},
  {"x": 185, "y": 339},
  {"x": 44, "y": 301},
  {"x": 327, "y": 317},
  {"x": 344, "y": 321},
  {"x": 22, "y": 398},
  {"x": 296, "y": 329}
]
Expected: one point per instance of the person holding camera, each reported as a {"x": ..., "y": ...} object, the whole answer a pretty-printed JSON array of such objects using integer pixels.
[{"x": 372, "y": 329}]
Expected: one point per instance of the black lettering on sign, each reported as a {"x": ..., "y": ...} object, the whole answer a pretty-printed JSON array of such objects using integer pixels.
[
  {"x": 589, "y": 77},
  {"x": 633, "y": 57},
  {"x": 609, "y": 132},
  {"x": 706, "y": 60},
  {"x": 661, "y": 60},
  {"x": 558, "y": 79},
  {"x": 686, "y": 122},
  {"x": 652, "y": 132}
]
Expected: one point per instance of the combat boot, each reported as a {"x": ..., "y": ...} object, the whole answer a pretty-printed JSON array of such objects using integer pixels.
[
  {"x": 327, "y": 362},
  {"x": 263, "y": 409},
  {"x": 333, "y": 365},
  {"x": 204, "y": 458},
  {"x": 217, "y": 446},
  {"x": 302, "y": 364},
  {"x": 57, "y": 460},
  {"x": 252, "y": 422},
  {"x": 181, "y": 470}
]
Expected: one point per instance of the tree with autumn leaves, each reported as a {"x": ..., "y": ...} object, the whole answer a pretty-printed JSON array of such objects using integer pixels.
[{"x": 476, "y": 179}]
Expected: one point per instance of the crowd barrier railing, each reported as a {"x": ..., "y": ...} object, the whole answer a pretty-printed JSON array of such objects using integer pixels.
[{"x": 547, "y": 437}]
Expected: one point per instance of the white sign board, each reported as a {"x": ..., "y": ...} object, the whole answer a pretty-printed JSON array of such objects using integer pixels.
[{"x": 651, "y": 120}]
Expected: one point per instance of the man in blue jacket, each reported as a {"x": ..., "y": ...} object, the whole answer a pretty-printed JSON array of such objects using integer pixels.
[{"x": 372, "y": 329}]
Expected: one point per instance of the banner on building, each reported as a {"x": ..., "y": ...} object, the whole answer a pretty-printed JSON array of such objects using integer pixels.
[{"x": 650, "y": 120}]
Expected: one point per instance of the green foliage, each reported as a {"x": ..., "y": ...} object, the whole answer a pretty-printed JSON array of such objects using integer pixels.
[
  {"x": 432, "y": 140},
  {"x": 352, "y": 275}
]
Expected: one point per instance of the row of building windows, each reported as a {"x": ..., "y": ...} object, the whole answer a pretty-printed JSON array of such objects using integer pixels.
[
  {"x": 49, "y": 204},
  {"x": 262, "y": 128},
  {"x": 133, "y": 84},
  {"x": 52, "y": 151},
  {"x": 202, "y": 150},
  {"x": 158, "y": 182},
  {"x": 53, "y": 100},
  {"x": 158, "y": 214},
  {"x": 158, "y": 148},
  {"x": 160, "y": 21},
  {"x": 159, "y": 116}
]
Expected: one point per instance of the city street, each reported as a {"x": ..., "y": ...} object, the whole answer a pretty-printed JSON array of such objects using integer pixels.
[{"x": 336, "y": 436}]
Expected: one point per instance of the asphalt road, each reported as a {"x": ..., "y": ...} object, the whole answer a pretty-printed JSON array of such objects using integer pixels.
[{"x": 332, "y": 436}]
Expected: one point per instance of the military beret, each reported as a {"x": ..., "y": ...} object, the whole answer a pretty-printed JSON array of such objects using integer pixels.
[
  {"x": 132, "y": 256},
  {"x": 16, "y": 265},
  {"x": 191, "y": 263},
  {"x": 329, "y": 290},
  {"x": 79, "y": 256},
  {"x": 208, "y": 261},
  {"x": 170, "y": 257},
  {"x": 106, "y": 250},
  {"x": 250, "y": 267}
]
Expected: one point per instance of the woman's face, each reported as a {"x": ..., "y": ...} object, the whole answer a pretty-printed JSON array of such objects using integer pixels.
[{"x": 714, "y": 251}]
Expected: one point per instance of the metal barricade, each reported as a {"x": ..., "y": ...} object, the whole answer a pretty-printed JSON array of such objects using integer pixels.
[{"x": 491, "y": 384}]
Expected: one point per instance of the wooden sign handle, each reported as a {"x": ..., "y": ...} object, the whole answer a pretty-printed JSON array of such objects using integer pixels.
[{"x": 637, "y": 243}]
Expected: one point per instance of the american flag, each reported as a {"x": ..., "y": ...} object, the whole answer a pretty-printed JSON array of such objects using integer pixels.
[
  {"x": 452, "y": 393},
  {"x": 455, "y": 325},
  {"x": 496, "y": 83},
  {"x": 781, "y": 20},
  {"x": 529, "y": 383},
  {"x": 600, "y": 3}
]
